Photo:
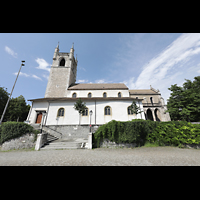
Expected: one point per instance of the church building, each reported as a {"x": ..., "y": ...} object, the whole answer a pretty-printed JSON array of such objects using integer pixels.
[{"x": 104, "y": 101}]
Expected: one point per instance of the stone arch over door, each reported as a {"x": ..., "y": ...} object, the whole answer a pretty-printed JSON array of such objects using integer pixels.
[
  {"x": 149, "y": 115},
  {"x": 157, "y": 115}
]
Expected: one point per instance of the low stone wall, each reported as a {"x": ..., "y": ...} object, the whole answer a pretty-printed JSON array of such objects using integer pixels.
[
  {"x": 108, "y": 144},
  {"x": 24, "y": 142},
  {"x": 192, "y": 146},
  {"x": 69, "y": 131}
]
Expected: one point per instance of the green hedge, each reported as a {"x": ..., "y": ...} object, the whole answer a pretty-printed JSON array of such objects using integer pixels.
[
  {"x": 174, "y": 133},
  {"x": 11, "y": 130},
  {"x": 134, "y": 131}
]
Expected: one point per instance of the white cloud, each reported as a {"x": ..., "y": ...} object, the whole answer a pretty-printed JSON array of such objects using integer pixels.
[
  {"x": 162, "y": 70},
  {"x": 43, "y": 64},
  {"x": 27, "y": 75},
  {"x": 10, "y": 51},
  {"x": 82, "y": 68},
  {"x": 45, "y": 76},
  {"x": 21, "y": 74},
  {"x": 100, "y": 81},
  {"x": 82, "y": 81},
  {"x": 36, "y": 77}
]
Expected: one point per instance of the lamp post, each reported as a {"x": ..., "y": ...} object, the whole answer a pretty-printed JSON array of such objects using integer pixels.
[
  {"x": 90, "y": 120},
  {"x": 11, "y": 93}
]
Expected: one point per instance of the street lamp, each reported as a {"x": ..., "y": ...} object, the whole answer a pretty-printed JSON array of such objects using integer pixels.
[
  {"x": 11, "y": 93},
  {"x": 90, "y": 120}
]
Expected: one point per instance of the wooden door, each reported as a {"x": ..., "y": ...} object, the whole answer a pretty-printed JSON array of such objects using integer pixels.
[{"x": 39, "y": 118}]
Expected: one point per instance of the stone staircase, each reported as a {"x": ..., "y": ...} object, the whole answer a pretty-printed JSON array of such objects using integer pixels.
[
  {"x": 79, "y": 143},
  {"x": 55, "y": 140}
]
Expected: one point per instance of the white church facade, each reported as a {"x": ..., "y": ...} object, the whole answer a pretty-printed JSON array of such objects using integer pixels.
[{"x": 107, "y": 101}]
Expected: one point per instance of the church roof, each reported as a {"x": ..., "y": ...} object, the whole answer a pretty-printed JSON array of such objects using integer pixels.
[
  {"x": 146, "y": 91},
  {"x": 98, "y": 86}
]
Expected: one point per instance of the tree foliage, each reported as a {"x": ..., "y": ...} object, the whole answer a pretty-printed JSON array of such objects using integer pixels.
[
  {"x": 135, "y": 109},
  {"x": 184, "y": 102},
  {"x": 80, "y": 107},
  {"x": 17, "y": 109}
]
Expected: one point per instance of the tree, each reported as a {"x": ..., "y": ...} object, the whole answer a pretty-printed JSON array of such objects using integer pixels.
[
  {"x": 80, "y": 107},
  {"x": 135, "y": 109},
  {"x": 3, "y": 99},
  {"x": 184, "y": 102},
  {"x": 17, "y": 108}
]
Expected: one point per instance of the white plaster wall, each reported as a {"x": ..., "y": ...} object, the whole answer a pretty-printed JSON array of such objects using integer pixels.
[
  {"x": 98, "y": 93},
  {"x": 37, "y": 106},
  {"x": 71, "y": 117}
]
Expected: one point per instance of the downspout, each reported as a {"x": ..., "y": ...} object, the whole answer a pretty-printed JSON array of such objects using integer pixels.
[{"x": 95, "y": 113}]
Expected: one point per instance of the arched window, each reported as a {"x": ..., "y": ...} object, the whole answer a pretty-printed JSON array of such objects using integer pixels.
[
  {"x": 85, "y": 113},
  {"x": 62, "y": 62},
  {"x": 61, "y": 112},
  {"x": 130, "y": 111},
  {"x": 151, "y": 99},
  {"x": 74, "y": 95},
  {"x": 104, "y": 95},
  {"x": 89, "y": 95},
  {"x": 120, "y": 94},
  {"x": 107, "y": 110}
]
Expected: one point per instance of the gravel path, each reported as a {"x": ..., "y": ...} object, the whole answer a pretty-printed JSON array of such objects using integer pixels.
[{"x": 101, "y": 157}]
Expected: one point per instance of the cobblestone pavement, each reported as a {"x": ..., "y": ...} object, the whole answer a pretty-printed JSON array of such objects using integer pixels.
[{"x": 103, "y": 156}]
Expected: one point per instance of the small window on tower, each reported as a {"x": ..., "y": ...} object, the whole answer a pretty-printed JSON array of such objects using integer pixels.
[{"x": 62, "y": 62}]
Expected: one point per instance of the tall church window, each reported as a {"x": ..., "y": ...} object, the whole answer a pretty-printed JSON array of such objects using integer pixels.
[
  {"x": 151, "y": 99},
  {"x": 89, "y": 95},
  {"x": 104, "y": 95},
  {"x": 74, "y": 95},
  {"x": 85, "y": 113},
  {"x": 61, "y": 112},
  {"x": 107, "y": 110},
  {"x": 62, "y": 62},
  {"x": 120, "y": 94}
]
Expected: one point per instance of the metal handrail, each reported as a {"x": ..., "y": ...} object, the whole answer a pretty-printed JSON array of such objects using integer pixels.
[{"x": 52, "y": 130}]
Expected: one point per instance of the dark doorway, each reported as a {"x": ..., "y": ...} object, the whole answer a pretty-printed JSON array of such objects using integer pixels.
[{"x": 149, "y": 115}]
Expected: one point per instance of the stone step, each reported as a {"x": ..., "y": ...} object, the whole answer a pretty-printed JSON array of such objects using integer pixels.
[{"x": 65, "y": 144}]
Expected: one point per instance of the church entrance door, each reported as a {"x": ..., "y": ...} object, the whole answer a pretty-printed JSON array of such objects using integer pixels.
[{"x": 39, "y": 118}]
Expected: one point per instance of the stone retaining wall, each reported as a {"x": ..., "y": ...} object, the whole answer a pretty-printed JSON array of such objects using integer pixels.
[
  {"x": 26, "y": 141},
  {"x": 108, "y": 144}
]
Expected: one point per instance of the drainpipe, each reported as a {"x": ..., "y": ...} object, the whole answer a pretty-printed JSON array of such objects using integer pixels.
[{"x": 95, "y": 112}]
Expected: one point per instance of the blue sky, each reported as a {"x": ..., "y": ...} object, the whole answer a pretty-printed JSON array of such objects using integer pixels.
[{"x": 136, "y": 59}]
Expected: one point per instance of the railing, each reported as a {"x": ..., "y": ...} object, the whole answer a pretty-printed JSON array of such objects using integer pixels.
[
  {"x": 51, "y": 131},
  {"x": 151, "y": 104}
]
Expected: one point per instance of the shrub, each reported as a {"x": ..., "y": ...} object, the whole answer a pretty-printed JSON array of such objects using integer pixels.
[
  {"x": 11, "y": 130},
  {"x": 134, "y": 131},
  {"x": 173, "y": 133}
]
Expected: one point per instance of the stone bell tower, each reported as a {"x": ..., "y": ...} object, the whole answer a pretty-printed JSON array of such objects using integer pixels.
[{"x": 62, "y": 74}]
